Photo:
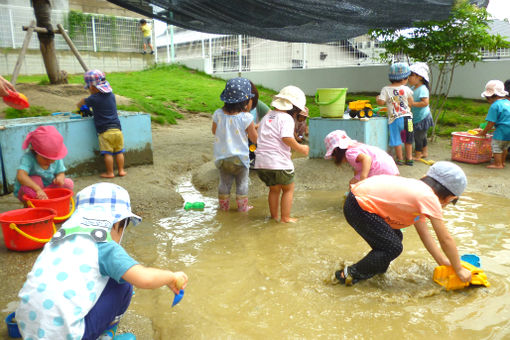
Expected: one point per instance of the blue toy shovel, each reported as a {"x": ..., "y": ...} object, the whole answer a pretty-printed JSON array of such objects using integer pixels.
[{"x": 178, "y": 297}]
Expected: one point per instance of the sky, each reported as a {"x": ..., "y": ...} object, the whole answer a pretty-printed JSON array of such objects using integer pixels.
[{"x": 500, "y": 9}]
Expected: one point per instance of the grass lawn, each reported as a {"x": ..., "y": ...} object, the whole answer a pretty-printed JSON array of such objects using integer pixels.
[{"x": 165, "y": 91}]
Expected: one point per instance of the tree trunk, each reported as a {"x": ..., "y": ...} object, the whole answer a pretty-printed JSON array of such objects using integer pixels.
[{"x": 42, "y": 11}]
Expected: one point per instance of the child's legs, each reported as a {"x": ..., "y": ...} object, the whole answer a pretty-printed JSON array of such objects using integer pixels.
[
  {"x": 226, "y": 180},
  {"x": 108, "y": 162},
  {"x": 242, "y": 183},
  {"x": 409, "y": 132},
  {"x": 112, "y": 303},
  {"x": 398, "y": 152},
  {"x": 273, "y": 199},
  {"x": 386, "y": 243},
  {"x": 287, "y": 198},
  {"x": 395, "y": 140},
  {"x": 24, "y": 190},
  {"x": 499, "y": 151},
  {"x": 119, "y": 159}
]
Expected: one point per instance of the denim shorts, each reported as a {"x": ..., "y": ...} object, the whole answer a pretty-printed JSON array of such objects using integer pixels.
[
  {"x": 401, "y": 124},
  {"x": 276, "y": 177}
]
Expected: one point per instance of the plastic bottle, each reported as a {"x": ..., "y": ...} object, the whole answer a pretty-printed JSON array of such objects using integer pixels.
[{"x": 194, "y": 206}]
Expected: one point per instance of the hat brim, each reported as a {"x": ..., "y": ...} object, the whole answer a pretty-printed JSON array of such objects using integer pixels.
[
  {"x": 290, "y": 100},
  {"x": 61, "y": 154},
  {"x": 282, "y": 104}
]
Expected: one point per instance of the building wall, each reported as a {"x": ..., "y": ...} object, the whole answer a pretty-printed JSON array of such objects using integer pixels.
[{"x": 101, "y": 7}]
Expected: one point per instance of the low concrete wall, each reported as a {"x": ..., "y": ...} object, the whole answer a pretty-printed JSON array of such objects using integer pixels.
[
  {"x": 469, "y": 80},
  {"x": 81, "y": 141},
  {"x": 104, "y": 61}
]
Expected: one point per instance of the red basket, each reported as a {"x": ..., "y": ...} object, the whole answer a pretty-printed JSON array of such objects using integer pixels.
[{"x": 469, "y": 148}]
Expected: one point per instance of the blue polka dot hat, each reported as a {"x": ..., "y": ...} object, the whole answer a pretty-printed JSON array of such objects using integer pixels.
[
  {"x": 236, "y": 90},
  {"x": 110, "y": 198}
]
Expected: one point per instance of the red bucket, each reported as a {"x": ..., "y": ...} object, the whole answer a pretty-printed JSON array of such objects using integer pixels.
[
  {"x": 60, "y": 199},
  {"x": 27, "y": 229}
]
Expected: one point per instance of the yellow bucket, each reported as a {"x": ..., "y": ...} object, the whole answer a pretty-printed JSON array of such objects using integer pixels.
[{"x": 331, "y": 102}]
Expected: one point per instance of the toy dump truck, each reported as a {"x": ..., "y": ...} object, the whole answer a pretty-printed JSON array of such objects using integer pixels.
[{"x": 360, "y": 109}]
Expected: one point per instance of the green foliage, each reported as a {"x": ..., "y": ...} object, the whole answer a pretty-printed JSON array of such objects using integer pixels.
[
  {"x": 77, "y": 23},
  {"x": 32, "y": 111}
]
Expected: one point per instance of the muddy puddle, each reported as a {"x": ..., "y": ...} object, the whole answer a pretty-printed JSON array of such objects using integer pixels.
[{"x": 252, "y": 278}]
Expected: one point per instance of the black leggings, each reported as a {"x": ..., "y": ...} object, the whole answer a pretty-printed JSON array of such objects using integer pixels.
[{"x": 385, "y": 241}]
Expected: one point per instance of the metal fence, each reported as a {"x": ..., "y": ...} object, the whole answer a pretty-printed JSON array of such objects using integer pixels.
[{"x": 92, "y": 32}]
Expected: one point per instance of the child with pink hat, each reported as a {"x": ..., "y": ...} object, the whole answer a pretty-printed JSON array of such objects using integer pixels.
[
  {"x": 366, "y": 160},
  {"x": 42, "y": 166}
]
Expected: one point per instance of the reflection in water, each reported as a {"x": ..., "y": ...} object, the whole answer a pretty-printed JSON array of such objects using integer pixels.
[{"x": 252, "y": 278}]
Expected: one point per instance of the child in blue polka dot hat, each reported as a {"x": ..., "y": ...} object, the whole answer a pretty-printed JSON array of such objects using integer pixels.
[{"x": 82, "y": 282}]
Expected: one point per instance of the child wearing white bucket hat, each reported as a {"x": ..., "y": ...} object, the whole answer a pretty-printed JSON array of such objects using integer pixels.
[
  {"x": 81, "y": 283},
  {"x": 378, "y": 207},
  {"x": 422, "y": 118},
  {"x": 273, "y": 155},
  {"x": 498, "y": 117}
]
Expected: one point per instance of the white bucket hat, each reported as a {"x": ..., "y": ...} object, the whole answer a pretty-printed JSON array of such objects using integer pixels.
[
  {"x": 450, "y": 175},
  {"x": 422, "y": 70},
  {"x": 494, "y": 87},
  {"x": 289, "y": 96}
]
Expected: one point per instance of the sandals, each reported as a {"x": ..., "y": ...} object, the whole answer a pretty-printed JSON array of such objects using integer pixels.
[{"x": 344, "y": 277}]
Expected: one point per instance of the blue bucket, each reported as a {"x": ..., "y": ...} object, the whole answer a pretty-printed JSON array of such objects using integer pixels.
[{"x": 12, "y": 326}]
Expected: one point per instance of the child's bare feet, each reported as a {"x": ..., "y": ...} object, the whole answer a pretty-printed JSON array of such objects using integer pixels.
[
  {"x": 289, "y": 220},
  {"x": 494, "y": 166},
  {"x": 122, "y": 173},
  {"x": 107, "y": 175}
]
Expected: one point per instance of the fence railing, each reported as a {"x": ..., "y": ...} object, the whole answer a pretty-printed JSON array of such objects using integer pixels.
[{"x": 94, "y": 32}]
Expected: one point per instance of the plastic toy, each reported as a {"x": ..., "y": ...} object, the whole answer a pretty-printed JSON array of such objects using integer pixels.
[
  {"x": 471, "y": 258},
  {"x": 194, "y": 206},
  {"x": 360, "y": 109},
  {"x": 446, "y": 277},
  {"x": 84, "y": 111},
  {"x": 178, "y": 297},
  {"x": 16, "y": 100}
]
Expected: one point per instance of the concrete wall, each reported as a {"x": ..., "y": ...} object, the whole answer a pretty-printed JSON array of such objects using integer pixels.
[
  {"x": 469, "y": 80},
  {"x": 105, "y": 61},
  {"x": 101, "y": 6}
]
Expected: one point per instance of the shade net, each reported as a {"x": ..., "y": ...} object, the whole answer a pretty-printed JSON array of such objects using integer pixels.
[{"x": 315, "y": 21}]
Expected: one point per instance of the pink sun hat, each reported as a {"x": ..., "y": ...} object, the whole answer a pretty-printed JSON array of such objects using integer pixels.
[
  {"x": 47, "y": 142},
  {"x": 336, "y": 139}
]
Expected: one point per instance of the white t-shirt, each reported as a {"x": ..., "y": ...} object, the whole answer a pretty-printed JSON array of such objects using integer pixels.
[
  {"x": 396, "y": 99},
  {"x": 272, "y": 152}
]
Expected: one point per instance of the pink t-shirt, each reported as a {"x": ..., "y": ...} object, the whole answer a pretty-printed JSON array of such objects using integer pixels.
[
  {"x": 272, "y": 152},
  {"x": 400, "y": 201},
  {"x": 382, "y": 163}
]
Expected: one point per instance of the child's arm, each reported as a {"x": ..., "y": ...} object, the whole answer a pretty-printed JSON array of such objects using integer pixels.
[
  {"x": 294, "y": 145},
  {"x": 60, "y": 179},
  {"x": 447, "y": 245},
  {"x": 410, "y": 101},
  {"x": 80, "y": 103},
  {"x": 366, "y": 164},
  {"x": 24, "y": 179},
  {"x": 213, "y": 129},
  {"x": 424, "y": 102},
  {"x": 487, "y": 128},
  {"x": 380, "y": 101},
  {"x": 252, "y": 133},
  {"x": 151, "y": 278}
]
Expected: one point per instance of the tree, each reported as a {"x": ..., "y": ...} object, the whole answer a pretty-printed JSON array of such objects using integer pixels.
[
  {"x": 460, "y": 39},
  {"x": 42, "y": 11}
]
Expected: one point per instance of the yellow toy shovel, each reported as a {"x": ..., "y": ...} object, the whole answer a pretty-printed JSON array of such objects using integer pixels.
[{"x": 445, "y": 276}]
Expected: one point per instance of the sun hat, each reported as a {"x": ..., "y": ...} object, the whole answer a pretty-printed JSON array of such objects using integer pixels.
[
  {"x": 236, "y": 90},
  {"x": 421, "y": 69},
  {"x": 47, "y": 142},
  {"x": 399, "y": 71},
  {"x": 494, "y": 87},
  {"x": 289, "y": 96},
  {"x": 336, "y": 139},
  {"x": 450, "y": 175},
  {"x": 97, "y": 78}
]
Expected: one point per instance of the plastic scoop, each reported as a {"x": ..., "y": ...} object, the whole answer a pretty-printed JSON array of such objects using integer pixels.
[
  {"x": 178, "y": 297},
  {"x": 446, "y": 277},
  {"x": 16, "y": 100}
]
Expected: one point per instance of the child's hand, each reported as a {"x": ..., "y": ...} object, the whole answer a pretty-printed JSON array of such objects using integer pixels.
[
  {"x": 305, "y": 150},
  {"x": 179, "y": 281},
  {"x": 59, "y": 180},
  {"x": 41, "y": 195},
  {"x": 464, "y": 274},
  {"x": 353, "y": 181}
]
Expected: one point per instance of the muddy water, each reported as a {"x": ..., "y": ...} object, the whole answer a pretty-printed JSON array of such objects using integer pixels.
[{"x": 253, "y": 278}]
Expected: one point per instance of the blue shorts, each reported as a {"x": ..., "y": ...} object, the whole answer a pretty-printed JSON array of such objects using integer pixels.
[{"x": 401, "y": 124}]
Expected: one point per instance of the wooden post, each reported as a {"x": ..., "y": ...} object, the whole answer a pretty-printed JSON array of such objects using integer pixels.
[
  {"x": 73, "y": 48},
  {"x": 21, "y": 55}
]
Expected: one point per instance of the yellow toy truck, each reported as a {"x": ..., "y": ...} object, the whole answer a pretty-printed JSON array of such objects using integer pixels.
[{"x": 360, "y": 109}]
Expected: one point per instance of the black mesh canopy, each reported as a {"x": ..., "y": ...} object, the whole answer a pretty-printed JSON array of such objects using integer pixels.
[{"x": 314, "y": 21}]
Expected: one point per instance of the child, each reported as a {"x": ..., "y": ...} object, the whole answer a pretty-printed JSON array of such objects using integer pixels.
[
  {"x": 42, "y": 166},
  {"x": 273, "y": 154},
  {"x": 499, "y": 117},
  {"x": 232, "y": 125},
  {"x": 366, "y": 160},
  {"x": 81, "y": 283},
  {"x": 104, "y": 107},
  {"x": 378, "y": 207},
  {"x": 301, "y": 129},
  {"x": 422, "y": 119},
  {"x": 398, "y": 98},
  {"x": 147, "y": 35}
]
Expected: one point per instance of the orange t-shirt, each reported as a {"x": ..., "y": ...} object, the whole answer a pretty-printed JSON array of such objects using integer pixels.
[{"x": 400, "y": 201}]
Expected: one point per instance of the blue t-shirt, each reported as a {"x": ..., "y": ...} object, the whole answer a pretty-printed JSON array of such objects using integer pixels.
[
  {"x": 420, "y": 113},
  {"x": 499, "y": 113},
  {"x": 104, "y": 108},
  {"x": 113, "y": 260},
  {"x": 29, "y": 164}
]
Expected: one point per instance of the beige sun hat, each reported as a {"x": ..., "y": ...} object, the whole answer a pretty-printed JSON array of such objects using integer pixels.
[
  {"x": 494, "y": 87},
  {"x": 289, "y": 96}
]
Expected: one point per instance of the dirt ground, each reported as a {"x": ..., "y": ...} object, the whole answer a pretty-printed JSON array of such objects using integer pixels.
[{"x": 186, "y": 148}]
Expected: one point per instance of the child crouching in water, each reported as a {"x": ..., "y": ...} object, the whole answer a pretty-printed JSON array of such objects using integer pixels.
[
  {"x": 82, "y": 282},
  {"x": 42, "y": 166},
  {"x": 366, "y": 160},
  {"x": 378, "y": 207},
  {"x": 232, "y": 126},
  {"x": 273, "y": 155}
]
